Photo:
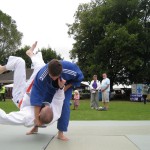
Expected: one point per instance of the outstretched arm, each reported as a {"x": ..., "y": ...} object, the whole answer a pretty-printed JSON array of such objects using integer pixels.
[
  {"x": 37, "y": 112},
  {"x": 24, "y": 117}
]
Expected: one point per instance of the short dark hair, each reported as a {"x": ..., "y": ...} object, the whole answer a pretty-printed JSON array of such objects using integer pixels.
[{"x": 54, "y": 67}]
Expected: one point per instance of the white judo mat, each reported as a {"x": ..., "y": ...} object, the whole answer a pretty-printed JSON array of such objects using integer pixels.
[
  {"x": 105, "y": 135},
  {"x": 15, "y": 138},
  {"x": 84, "y": 135}
]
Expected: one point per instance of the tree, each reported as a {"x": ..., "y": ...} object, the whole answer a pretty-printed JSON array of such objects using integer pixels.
[
  {"x": 112, "y": 36},
  {"x": 10, "y": 37},
  {"x": 144, "y": 8},
  {"x": 49, "y": 54}
]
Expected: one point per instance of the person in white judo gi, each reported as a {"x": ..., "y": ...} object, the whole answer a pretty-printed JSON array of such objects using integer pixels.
[{"x": 50, "y": 112}]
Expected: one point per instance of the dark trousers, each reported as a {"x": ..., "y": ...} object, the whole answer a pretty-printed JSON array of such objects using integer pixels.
[
  {"x": 144, "y": 97},
  {"x": 2, "y": 96}
]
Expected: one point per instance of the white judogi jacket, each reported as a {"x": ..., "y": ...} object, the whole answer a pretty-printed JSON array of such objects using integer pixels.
[{"x": 26, "y": 114}]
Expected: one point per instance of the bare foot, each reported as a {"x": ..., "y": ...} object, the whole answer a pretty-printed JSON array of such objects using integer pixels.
[
  {"x": 30, "y": 51},
  {"x": 34, "y": 130},
  {"x": 62, "y": 137},
  {"x": 2, "y": 69}
]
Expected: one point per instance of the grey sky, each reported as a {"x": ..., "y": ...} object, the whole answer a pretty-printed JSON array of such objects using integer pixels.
[{"x": 44, "y": 21}]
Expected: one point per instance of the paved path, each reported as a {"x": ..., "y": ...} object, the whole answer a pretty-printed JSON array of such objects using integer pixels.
[{"x": 84, "y": 135}]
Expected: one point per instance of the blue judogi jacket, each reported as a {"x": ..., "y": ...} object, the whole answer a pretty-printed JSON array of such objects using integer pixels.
[{"x": 44, "y": 88}]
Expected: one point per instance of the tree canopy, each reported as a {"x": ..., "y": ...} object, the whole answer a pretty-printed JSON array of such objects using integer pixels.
[
  {"x": 10, "y": 37},
  {"x": 113, "y": 36}
]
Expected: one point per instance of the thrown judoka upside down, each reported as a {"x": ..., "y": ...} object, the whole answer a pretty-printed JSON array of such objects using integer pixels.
[{"x": 50, "y": 112}]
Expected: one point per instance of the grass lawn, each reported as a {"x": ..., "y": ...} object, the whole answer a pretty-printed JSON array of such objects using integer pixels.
[
  {"x": 119, "y": 110},
  {"x": 8, "y": 106}
]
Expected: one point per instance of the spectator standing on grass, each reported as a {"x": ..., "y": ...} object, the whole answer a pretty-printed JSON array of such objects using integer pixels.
[
  {"x": 76, "y": 99},
  {"x": 2, "y": 92},
  {"x": 94, "y": 87},
  {"x": 105, "y": 89},
  {"x": 145, "y": 92}
]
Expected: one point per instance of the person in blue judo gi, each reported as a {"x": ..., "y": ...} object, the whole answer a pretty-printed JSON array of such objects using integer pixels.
[{"x": 45, "y": 85}]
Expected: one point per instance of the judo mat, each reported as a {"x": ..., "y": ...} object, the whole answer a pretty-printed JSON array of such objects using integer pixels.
[
  {"x": 84, "y": 135},
  {"x": 15, "y": 138}
]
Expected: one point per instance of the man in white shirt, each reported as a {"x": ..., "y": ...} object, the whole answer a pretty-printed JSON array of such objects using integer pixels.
[
  {"x": 105, "y": 89},
  {"x": 50, "y": 112}
]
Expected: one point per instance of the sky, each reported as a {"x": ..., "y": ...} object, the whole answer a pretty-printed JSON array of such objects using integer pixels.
[{"x": 44, "y": 21}]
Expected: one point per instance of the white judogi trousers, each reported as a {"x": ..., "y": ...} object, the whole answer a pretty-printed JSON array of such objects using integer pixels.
[
  {"x": 26, "y": 114},
  {"x": 20, "y": 85},
  {"x": 17, "y": 64}
]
